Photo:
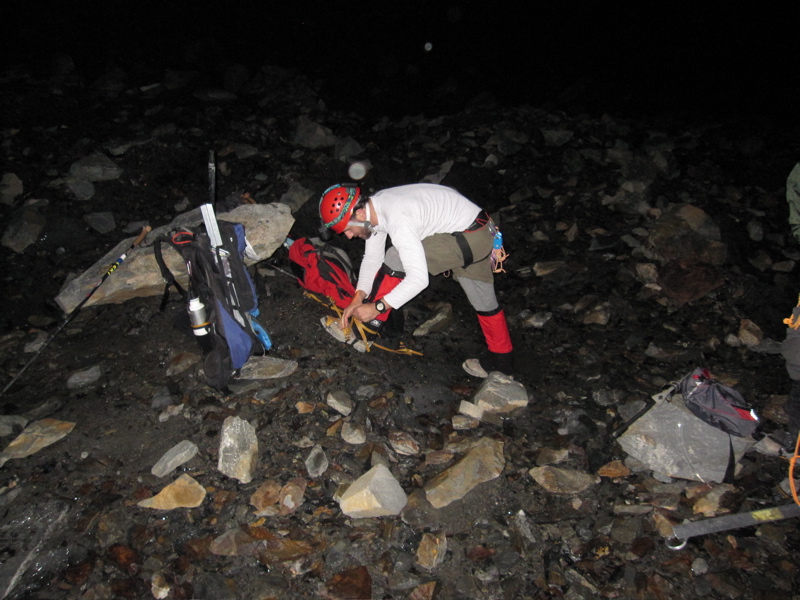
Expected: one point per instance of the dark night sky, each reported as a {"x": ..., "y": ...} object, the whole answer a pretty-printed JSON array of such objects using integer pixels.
[{"x": 711, "y": 55}]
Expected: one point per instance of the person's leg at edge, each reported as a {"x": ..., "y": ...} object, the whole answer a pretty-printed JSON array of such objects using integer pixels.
[
  {"x": 791, "y": 354},
  {"x": 492, "y": 320}
]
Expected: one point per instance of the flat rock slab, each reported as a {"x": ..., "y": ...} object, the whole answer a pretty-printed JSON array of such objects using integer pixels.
[
  {"x": 267, "y": 367},
  {"x": 34, "y": 437}
]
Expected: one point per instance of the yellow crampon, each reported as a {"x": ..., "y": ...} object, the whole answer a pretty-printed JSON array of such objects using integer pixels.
[
  {"x": 363, "y": 330},
  {"x": 792, "y": 321}
]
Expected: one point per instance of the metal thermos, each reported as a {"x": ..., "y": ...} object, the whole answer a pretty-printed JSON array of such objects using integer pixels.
[{"x": 197, "y": 317}]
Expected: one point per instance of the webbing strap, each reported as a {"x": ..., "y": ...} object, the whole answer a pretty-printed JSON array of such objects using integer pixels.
[
  {"x": 466, "y": 251},
  {"x": 363, "y": 330}
]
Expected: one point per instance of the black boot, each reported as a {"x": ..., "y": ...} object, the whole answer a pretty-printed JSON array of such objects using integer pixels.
[{"x": 395, "y": 325}]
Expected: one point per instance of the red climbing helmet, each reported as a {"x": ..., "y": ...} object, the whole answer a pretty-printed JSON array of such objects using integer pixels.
[{"x": 337, "y": 204}]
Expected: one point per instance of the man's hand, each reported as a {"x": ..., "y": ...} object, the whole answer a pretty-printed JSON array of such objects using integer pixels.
[
  {"x": 364, "y": 312},
  {"x": 356, "y": 302}
]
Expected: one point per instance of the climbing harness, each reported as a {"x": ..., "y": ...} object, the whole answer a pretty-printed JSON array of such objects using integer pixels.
[{"x": 497, "y": 255}]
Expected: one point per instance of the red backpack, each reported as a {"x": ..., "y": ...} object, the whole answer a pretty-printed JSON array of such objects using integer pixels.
[{"x": 323, "y": 269}]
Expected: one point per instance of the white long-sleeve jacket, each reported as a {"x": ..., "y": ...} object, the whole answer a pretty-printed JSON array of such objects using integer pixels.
[{"x": 408, "y": 214}]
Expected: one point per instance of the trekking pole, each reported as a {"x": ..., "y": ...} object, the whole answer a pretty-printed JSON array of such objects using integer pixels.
[
  {"x": 212, "y": 177},
  {"x": 71, "y": 315}
]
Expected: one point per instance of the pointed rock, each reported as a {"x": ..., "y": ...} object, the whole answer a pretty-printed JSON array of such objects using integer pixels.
[
  {"x": 317, "y": 462},
  {"x": 265, "y": 498},
  {"x": 614, "y": 469},
  {"x": 340, "y": 401},
  {"x": 238, "y": 449},
  {"x": 750, "y": 334},
  {"x": 184, "y": 492},
  {"x": 375, "y": 494},
  {"x": 353, "y": 433},
  {"x": 403, "y": 443},
  {"x": 431, "y": 550},
  {"x": 23, "y": 230},
  {"x": 500, "y": 394},
  {"x": 482, "y": 463},
  {"x": 34, "y": 437}
]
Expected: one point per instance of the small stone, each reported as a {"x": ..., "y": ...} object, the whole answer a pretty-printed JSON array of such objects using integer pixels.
[
  {"x": 265, "y": 497},
  {"x": 470, "y": 409},
  {"x": 184, "y": 492},
  {"x": 431, "y": 550},
  {"x": 304, "y": 408},
  {"x": 375, "y": 494},
  {"x": 563, "y": 481},
  {"x": 101, "y": 222},
  {"x": 699, "y": 566},
  {"x": 317, "y": 462},
  {"x": 552, "y": 456},
  {"x": 403, "y": 443},
  {"x": 614, "y": 469},
  {"x": 463, "y": 422},
  {"x": 500, "y": 394},
  {"x": 750, "y": 334},
  {"x": 85, "y": 378},
  {"x": 179, "y": 454},
  {"x": 340, "y": 401},
  {"x": 353, "y": 433},
  {"x": 10, "y": 188}
]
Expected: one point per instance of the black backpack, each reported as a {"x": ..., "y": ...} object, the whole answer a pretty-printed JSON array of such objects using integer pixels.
[
  {"x": 717, "y": 404},
  {"x": 229, "y": 333}
]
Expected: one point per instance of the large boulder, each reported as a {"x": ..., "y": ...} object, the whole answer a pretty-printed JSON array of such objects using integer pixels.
[{"x": 266, "y": 227}]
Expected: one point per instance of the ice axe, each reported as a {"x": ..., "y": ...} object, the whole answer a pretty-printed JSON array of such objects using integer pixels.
[{"x": 71, "y": 315}]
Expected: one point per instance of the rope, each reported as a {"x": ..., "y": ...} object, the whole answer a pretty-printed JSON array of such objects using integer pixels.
[
  {"x": 792, "y": 462},
  {"x": 499, "y": 255},
  {"x": 793, "y": 322},
  {"x": 363, "y": 330}
]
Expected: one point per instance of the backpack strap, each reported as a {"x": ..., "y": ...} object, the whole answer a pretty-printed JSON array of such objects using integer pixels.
[{"x": 176, "y": 239}]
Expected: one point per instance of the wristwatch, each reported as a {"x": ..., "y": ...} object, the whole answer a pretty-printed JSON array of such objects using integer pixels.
[{"x": 381, "y": 307}]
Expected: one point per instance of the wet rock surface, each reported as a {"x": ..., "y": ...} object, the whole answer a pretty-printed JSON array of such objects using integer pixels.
[{"x": 639, "y": 249}]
